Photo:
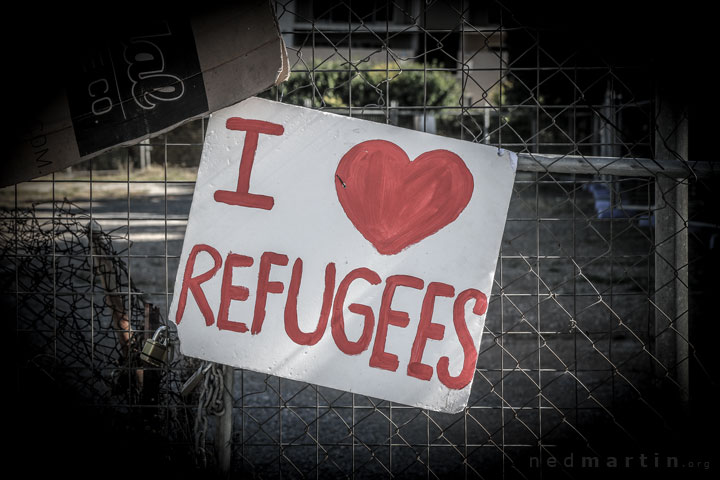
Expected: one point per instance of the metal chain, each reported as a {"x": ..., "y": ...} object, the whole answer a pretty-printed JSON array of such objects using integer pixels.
[{"x": 209, "y": 403}]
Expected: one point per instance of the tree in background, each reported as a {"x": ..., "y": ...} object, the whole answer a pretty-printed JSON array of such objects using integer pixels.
[{"x": 406, "y": 89}]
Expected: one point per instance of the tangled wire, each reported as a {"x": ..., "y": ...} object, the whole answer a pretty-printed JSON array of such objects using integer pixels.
[{"x": 55, "y": 263}]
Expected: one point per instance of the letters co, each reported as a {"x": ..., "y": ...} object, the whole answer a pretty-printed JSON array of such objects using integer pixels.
[{"x": 138, "y": 84}]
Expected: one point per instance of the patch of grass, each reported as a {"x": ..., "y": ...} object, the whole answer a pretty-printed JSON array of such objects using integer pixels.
[
  {"x": 153, "y": 173},
  {"x": 75, "y": 185}
]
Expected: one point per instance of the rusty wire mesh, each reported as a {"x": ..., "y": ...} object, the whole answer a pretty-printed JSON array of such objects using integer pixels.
[{"x": 568, "y": 367}]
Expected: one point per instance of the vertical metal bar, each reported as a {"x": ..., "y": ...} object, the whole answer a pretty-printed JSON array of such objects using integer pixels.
[
  {"x": 500, "y": 85},
  {"x": 243, "y": 417},
  {"x": 165, "y": 225},
  {"x": 17, "y": 266},
  {"x": 425, "y": 60},
  {"x": 463, "y": 80},
  {"x": 573, "y": 321},
  {"x": 607, "y": 147},
  {"x": 91, "y": 263},
  {"x": 502, "y": 278},
  {"x": 166, "y": 284},
  {"x": 280, "y": 425},
  {"x": 535, "y": 129},
  {"x": 387, "y": 85},
  {"x": 649, "y": 315},
  {"x": 536, "y": 135},
  {"x": 128, "y": 308},
  {"x": 463, "y": 75},
  {"x": 387, "y": 63},
  {"x": 350, "y": 64},
  {"x": 352, "y": 434},
  {"x": 614, "y": 200},
  {"x": 501, "y": 343},
  {"x": 317, "y": 433},
  {"x": 315, "y": 104},
  {"x": 224, "y": 438},
  {"x": 54, "y": 276},
  {"x": 425, "y": 50},
  {"x": 671, "y": 246},
  {"x": 537, "y": 307},
  {"x": 313, "y": 83}
]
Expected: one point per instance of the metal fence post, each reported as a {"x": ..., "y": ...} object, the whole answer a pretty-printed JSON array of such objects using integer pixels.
[
  {"x": 671, "y": 247},
  {"x": 224, "y": 438}
]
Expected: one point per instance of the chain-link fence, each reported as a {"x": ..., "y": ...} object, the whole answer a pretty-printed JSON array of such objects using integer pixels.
[{"x": 596, "y": 358}]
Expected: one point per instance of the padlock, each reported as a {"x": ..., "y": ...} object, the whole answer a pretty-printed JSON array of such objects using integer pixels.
[{"x": 154, "y": 351}]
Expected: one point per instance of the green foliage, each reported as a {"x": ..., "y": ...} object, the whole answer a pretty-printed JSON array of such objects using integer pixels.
[{"x": 332, "y": 84}]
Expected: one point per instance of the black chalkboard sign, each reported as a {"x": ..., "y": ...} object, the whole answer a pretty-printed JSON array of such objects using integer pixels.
[
  {"x": 140, "y": 84},
  {"x": 82, "y": 88}
]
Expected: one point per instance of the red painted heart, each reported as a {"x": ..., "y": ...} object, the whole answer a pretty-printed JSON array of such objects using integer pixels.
[{"x": 395, "y": 203}]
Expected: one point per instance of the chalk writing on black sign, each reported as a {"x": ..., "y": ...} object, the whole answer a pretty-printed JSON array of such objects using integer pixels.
[{"x": 143, "y": 83}]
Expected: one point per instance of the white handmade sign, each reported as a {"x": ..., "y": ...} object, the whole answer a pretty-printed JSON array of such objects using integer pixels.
[{"x": 342, "y": 252}]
